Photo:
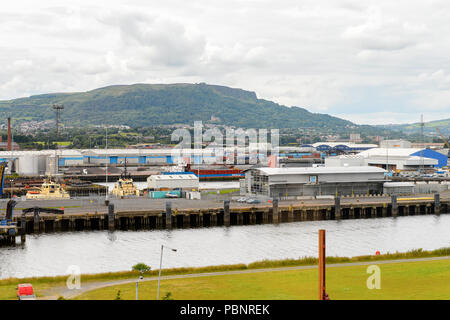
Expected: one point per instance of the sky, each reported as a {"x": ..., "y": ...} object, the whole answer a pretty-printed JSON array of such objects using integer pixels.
[{"x": 371, "y": 62}]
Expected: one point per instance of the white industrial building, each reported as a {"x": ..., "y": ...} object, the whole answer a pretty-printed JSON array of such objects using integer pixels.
[
  {"x": 346, "y": 147},
  {"x": 398, "y": 188},
  {"x": 186, "y": 182},
  {"x": 418, "y": 187},
  {"x": 287, "y": 183},
  {"x": 37, "y": 162},
  {"x": 33, "y": 163},
  {"x": 407, "y": 159},
  {"x": 395, "y": 144}
]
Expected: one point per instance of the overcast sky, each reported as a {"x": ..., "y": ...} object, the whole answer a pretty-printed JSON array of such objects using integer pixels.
[{"x": 371, "y": 62}]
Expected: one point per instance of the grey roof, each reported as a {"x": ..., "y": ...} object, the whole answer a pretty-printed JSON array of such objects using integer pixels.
[
  {"x": 398, "y": 184},
  {"x": 320, "y": 170},
  {"x": 390, "y": 152},
  {"x": 174, "y": 177}
]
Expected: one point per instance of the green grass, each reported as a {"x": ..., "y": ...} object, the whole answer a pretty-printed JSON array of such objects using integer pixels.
[
  {"x": 41, "y": 284},
  {"x": 224, "y": 191},
  {"x": 59, "y": 143},
  {"x": 64, "y": 143},
  {"x": 403, "y": 280}
]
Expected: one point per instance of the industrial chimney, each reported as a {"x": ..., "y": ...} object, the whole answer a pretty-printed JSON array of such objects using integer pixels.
[{"x": 9, "y": 134}]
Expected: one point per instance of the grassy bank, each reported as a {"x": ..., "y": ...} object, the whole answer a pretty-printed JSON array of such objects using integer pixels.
[
  {"x": 400, "y": 280},
  {"x": 7, "y": 286}
]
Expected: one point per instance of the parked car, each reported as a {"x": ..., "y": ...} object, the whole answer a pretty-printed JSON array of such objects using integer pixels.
[
  {"x": 253, "y": 201},
  {"x": 25, "y": 292},
  {"x": 241, "y": 199},
  {"x": 171, "y": 195}
]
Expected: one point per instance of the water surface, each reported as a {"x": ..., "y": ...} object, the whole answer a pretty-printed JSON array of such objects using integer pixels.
[{"x": 103, "y": 251}]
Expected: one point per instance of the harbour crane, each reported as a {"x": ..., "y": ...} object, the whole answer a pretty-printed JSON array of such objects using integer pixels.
[
  {"x": 442, "y": 137},
  {"x": 2, "y": 176}
]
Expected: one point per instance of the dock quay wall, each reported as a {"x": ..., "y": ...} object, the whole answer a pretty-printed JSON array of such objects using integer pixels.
[{"x": 227, "y": 215}]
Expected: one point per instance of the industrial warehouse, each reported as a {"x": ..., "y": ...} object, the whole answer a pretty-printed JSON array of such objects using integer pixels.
[
  {"x": 37, "y": 162},
  {"x": 290, "y": 183},
  {"x": 407, "y": 159}
]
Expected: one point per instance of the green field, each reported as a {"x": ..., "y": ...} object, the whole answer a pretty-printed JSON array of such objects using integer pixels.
[
  {"x": 431, "y": 279},
  {"x": 59, "y": 143},
  {"x": 403, "y": 280}
]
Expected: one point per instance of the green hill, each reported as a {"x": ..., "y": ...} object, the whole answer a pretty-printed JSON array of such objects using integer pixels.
[
  {"x": 411, "y": 128},
  {"x": 164, "y": 104}
]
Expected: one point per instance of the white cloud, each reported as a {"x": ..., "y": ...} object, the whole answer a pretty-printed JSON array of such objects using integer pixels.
[
  {"x": 383, "y": 33},
  {"x": 328, "y": 56}
]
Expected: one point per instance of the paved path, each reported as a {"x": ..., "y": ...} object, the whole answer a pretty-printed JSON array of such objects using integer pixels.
[{"x": 56, "y": 292}]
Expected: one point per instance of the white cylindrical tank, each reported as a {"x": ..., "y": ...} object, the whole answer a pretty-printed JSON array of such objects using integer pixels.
[
  {"x": 42, "y": 164},
  {"x": 28, "y": 165}
]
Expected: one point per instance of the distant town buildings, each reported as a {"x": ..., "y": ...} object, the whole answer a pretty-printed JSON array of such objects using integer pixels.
[
  {"x": 355, "y": 138},
  {"x": 4, "y": 146},
  {"x": 395, "y": 144}
]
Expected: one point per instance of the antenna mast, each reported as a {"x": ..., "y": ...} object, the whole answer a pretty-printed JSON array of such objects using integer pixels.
[
  {"x": 423, "y": 144},
  {"x": 58, "y": 108},
  {"x": 107, "y": 158}
]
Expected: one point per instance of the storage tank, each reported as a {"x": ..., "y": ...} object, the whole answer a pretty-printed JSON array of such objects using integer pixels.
[
  {"x": 42, "y": 164},
  {"x": 28, "y": 165},
  {"x": 52, "y": 165}
]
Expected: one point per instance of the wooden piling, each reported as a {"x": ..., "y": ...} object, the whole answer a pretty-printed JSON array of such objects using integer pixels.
[
  {"x": 351, "y": 213},
  {"x": 394, "y": 205},
  {"x": 275, "y": 211},
  {"x": 265, "y": 216},
  {"x": 111, "y": 217},
  {"x": 213, "y": 220},
  {"x": 186, "y": 221},
  {"x": 437, "y": 204},
  {"x": 226, "y": 213},
  {"x": 36, "y": 222},
  {"x": 337, "y": 207},
  {"x": 168, "y": 215}
]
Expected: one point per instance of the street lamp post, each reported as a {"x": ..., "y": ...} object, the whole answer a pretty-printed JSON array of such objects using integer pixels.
[
  {"x": 160, "y": 267},
  {"x": 137, "y": 286},
  {"x": 106, "y": 147}
]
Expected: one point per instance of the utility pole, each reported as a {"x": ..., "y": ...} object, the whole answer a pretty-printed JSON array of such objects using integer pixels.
[
  {"x": 387, "y": 157},
  {"x": 106, "y": 147},
  {"x": 423, "y": 144},
  {"x": 387, "y": 153},
  {"x": 9, "y": 134},
  {"x": 58, "y": 108}
]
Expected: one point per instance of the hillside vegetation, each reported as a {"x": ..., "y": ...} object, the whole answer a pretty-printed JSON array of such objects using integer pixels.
[
  {"x": 165, "y": 104},
  {"x": 411, "y": 128}
]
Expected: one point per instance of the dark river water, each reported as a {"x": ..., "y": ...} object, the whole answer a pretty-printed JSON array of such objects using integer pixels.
[{"x": 103, "y": 251}]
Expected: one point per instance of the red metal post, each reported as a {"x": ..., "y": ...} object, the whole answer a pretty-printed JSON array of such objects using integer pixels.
[
  {"x": 9, "y": 134},
  {"x": 322, "y": 264}
]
